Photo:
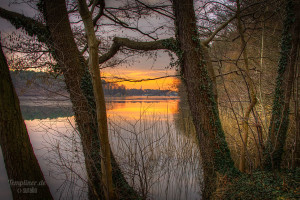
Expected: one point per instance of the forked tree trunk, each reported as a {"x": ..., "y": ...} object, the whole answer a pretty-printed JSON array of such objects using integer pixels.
[
  {"x": 198, "y": 77},
  {"x": 20, "y": 161},
  {"x": 286, "y": 68}
]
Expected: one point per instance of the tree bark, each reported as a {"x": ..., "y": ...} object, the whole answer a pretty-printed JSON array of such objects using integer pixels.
[
  {"x": 57, "y": 35},
  {"x": 286, "y": 68},
  {"x": 93, "y": 44},
  {"x": 73, "y": 69},
  {"x": 296, "y": 149},
  {"x": 81, "y": 86},
  {"x": 20, "y": 161},
  {"x": 198, "y": 76}
]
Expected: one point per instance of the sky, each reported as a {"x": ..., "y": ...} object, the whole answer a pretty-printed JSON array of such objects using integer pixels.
[{"x": 139, "y": 67}]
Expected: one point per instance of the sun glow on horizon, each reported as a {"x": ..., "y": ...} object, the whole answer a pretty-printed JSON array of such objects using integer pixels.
[{"x": 141, "y": 79}]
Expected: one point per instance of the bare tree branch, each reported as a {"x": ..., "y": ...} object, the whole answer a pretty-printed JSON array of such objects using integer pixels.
[
  {"x": 124, "y": 42},
  {"x": 31, "y": 26},
  {"x": 119, "y": 79},
  {"x": 125, "y": 25},
  {"x": 155, "y": 10},
  {"x": 101, "y": 3},
  {"x": 211, "y": 37}
]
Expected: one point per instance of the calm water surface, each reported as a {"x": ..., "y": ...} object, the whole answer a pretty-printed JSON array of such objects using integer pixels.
[{"x": 158, "y": 157}]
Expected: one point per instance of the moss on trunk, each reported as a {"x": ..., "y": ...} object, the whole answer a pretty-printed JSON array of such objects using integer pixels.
[
  {"x": 199, "y": 78},
  {"x": 286, "y": 68}
]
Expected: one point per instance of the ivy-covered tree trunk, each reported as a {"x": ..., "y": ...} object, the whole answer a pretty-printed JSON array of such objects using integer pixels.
[
  {"x": 198, "y": 77},
  {"x": 79, "y": 84},
  {"x": 286, "y": 68},
  {"x": 20, "y": 161},
  {"x": 59, "y": 39}
]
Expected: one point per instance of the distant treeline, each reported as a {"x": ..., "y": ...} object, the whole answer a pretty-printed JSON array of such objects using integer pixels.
[
  {"x": 30, "y": 83},
  {"x": 149, "y": 92},
  {"x": 45, "y": 112}
]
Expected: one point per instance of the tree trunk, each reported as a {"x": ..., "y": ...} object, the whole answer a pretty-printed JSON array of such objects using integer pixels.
[
  {"x": 93, "y": 43},
  {"x": 296, "y": 149},
  {"x": 253, "y": 99},
  {"x": 20, "y": 161},
  {"x": 78, "y": 83},
  {"x": 73, "y": 68},
  {"x": 198, "y": 77},
  {"x": 286, "y": 68},
  {"x": 80, "y": 87}
]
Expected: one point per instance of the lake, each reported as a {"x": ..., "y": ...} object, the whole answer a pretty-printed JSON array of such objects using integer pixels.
[{"x": 149, "y": 136}]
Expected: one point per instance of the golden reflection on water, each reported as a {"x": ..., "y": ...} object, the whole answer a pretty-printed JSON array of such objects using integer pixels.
[
  {"x": 134, "y": 108},
  {"x": 172, "y": 155}
]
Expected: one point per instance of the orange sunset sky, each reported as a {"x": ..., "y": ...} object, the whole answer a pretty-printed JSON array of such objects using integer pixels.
[
  {"x": 138, "y": 74},
  {"x": 144, "y": 68}
]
